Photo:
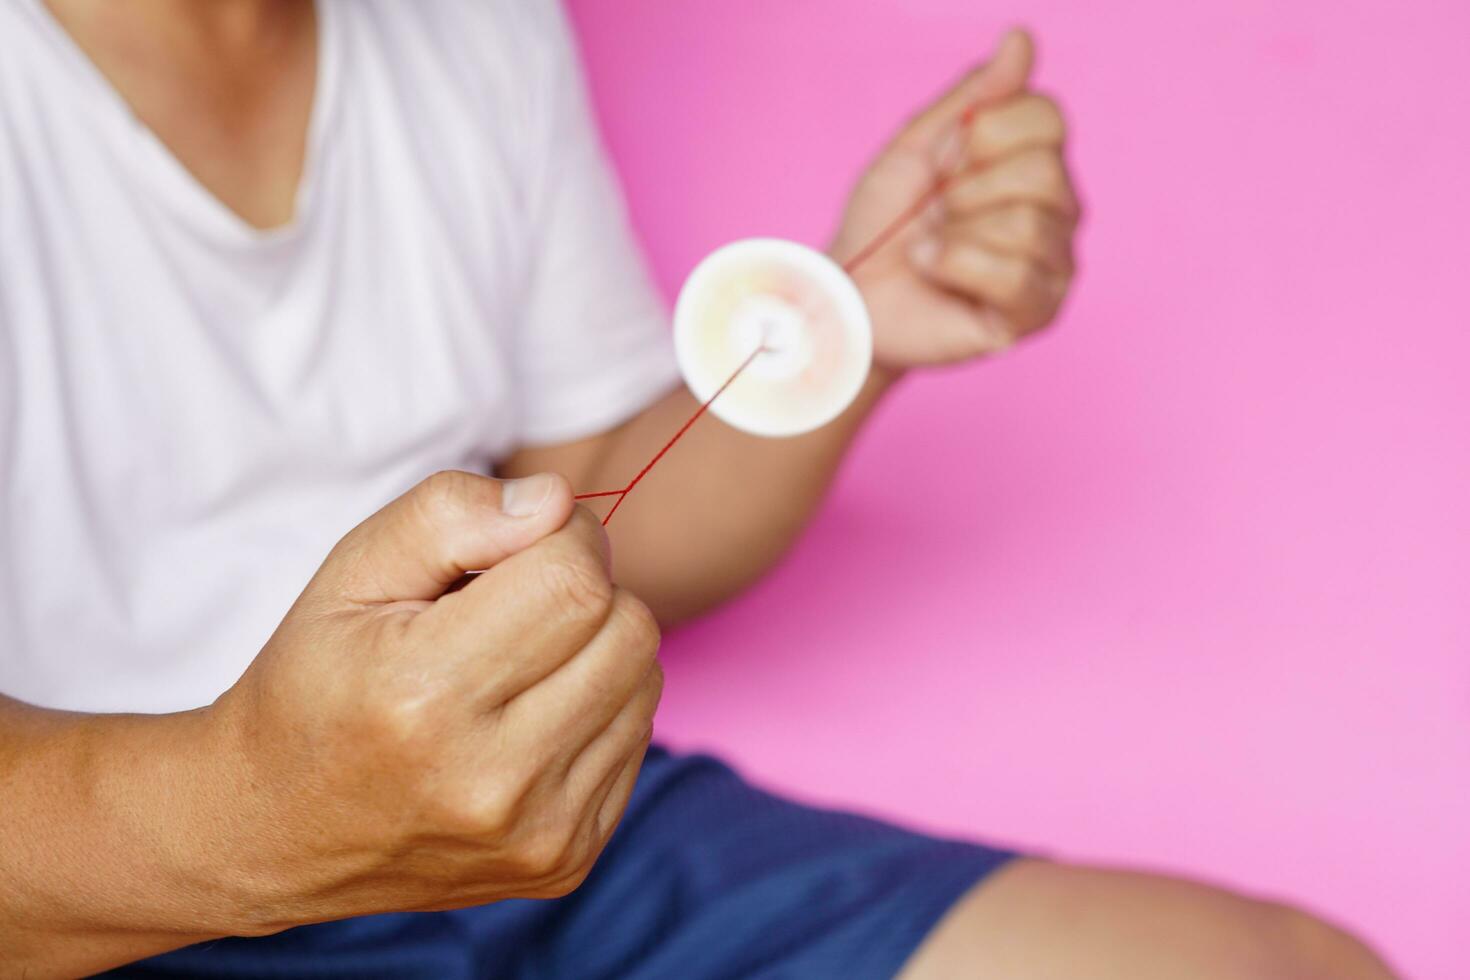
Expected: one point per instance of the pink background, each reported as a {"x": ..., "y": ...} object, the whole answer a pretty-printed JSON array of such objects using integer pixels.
[{"x": 1186, "y": 583}]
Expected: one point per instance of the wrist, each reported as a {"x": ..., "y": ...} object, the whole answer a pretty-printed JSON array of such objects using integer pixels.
[
  {"x": 882, "y": 376},
  {"x": 881, "y": 379},
  {"x": 168, "y": 788},
  {"x": 112, "y": 827},
  {"x": 229, "y": 839},
  {"x": 173, "y": 795}
]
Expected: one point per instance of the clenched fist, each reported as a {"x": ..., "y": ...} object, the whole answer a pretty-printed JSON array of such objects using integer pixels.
[
  {"x": 404, "y": 745},
  {"x": 991, "y": 260}
]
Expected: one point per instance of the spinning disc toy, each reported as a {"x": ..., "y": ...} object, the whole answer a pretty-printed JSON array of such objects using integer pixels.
[{"x": 797, "y": 319}]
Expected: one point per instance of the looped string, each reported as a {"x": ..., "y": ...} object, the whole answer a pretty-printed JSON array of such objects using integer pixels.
[
  {"x": 948, "y": 171},
  {"x": 623, "y": 493}
]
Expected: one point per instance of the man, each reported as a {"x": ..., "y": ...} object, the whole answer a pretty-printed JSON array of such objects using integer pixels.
[{"x": 264, "y": 266}]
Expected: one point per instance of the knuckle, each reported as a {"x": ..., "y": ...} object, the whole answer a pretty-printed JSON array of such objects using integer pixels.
[
  {"x": 1036, "y": 284},
  {"x": 398, "y": 720},
  {"x": 1048, "y": 174},
  {"x": 637, "y": 625},
  {"x": 956, "y": 263},
  {"x": 574, "y": 880},
  {"x": 482, "y": 809},
  {"x": 586, "y": 528},
  {"x": 655, "y": 684},
  {"x": 440, "y": 497},
  {"x": 1055, "y": 184},
  {"x": 642, "y": 706},
  {"x": 988, "y": 134},
  {"x": 1017, "y": 281},
  {"x": 577, "y": 582},
  {"x": 553, "y": 889},
  {"x": 652, "y": 694},
  {"x": 1028, "y": 226},
  {"x": 1066, "y": 266},
  {"x": 960, "y": 195},
  {"x": 584, "y": 521},
  {"x": 564, "y": 885},
  {"x": 548, "y": 854},
  {"x": 1050, "y": 123}
]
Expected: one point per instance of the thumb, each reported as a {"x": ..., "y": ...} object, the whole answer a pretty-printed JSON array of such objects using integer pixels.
[
  {"x": 1003, "y": 76},
  {"x": 450, "y": 524}
]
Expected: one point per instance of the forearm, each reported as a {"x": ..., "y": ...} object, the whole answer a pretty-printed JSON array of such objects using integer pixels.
[
  {"x": 108, "y": 839},
  {"x": 722, "y": 507}
]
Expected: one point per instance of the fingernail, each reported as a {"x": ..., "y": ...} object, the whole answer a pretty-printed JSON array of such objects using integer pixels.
[
  {"x": 924, "y": 251},
  {"x": 524, "y": 497}
]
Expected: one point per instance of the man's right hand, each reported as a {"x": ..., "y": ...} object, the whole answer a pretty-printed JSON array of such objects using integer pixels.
[{"x": 403, "y": 746}]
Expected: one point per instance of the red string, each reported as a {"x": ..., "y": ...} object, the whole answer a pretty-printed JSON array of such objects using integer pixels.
[
  {"x": 623, "y": 493},
  {"x": 897, "y": 224},
  {"x": 883, "y": 237}
]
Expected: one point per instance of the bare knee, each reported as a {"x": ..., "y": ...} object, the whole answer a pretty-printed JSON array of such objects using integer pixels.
[
  {"x": 1293, "y": 943},
  {"x": 1037, "y": 919}
]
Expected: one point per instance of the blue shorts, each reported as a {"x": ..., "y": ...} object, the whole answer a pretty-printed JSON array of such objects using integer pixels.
[{"x": 705, "y": 877}]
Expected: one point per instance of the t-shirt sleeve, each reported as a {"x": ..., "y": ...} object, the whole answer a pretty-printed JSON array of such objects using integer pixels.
[{"x": 593, "y": 346}]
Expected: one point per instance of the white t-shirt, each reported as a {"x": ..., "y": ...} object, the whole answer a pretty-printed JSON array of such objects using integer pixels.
[{"x": 193, "y": 411}]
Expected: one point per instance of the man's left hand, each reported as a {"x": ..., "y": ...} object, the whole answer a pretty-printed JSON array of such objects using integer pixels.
[{"x": 991, "y": 259}]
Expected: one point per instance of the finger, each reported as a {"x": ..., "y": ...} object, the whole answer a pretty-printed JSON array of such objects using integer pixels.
[
  {"x": 449, "y": 524},
  {"x": 1019, "y": 289},
  {"x": 1027, "y": 121},
  {"x": 1023, "y": 230},
  {"x": 615, "y": 803},
  {"x": 582, "y": 696},
  {"x": 601, "y": 810},
  {"x": 1003, "y": 76},
  {"x": 1034, "y": 176},
  {"x": 521, "y": 620},
  {"x": 632, "y": 726}
]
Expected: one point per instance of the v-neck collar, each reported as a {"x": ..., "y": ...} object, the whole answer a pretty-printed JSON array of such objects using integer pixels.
[{"x": 179, "y": 186}]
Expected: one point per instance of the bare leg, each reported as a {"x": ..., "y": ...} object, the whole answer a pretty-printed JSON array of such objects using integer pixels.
[{"x": 1035, "y": 919}]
